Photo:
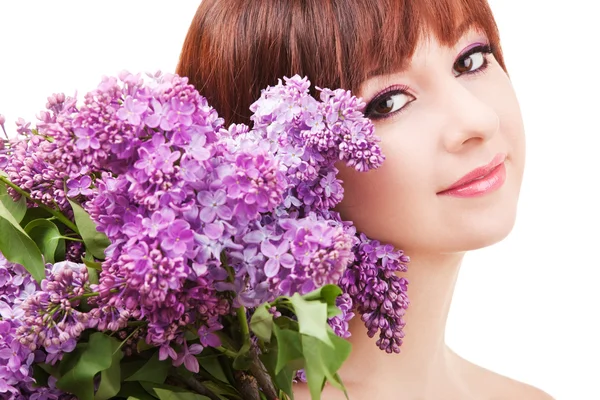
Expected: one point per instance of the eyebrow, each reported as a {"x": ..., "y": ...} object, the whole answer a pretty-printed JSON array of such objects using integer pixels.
[{"x": 461, "y": 30}]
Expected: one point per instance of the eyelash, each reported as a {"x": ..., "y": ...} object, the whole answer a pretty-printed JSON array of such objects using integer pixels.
[{"x": 486, "y": 50}]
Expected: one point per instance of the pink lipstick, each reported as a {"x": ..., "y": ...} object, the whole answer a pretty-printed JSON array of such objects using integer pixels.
[{"x": 480, "y": 181}]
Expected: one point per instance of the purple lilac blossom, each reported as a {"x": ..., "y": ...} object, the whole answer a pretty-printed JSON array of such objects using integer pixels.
[
  {"x": 177, "y": 194},
  {"x": 16, "y": 360},
  {"x": 378, "y": 293},
  {"x": 51, "y": 319}
]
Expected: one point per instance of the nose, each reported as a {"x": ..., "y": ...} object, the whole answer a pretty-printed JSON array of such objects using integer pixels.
[{"x": 469, "y": 118}]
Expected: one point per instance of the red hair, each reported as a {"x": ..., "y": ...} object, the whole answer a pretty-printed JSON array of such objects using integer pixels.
[{"x": 235, "y": 48}]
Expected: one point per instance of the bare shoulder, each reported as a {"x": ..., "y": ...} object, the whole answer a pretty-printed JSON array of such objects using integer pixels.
[{"x": 493, "y": 386}]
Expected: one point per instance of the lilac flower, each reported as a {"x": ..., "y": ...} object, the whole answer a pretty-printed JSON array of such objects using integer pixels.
[
  {"x": 181, "y": 198},
  {"x": 156, "y": 157},
  {"x": 191, "y": 170},
  {"x": 53, "y": 319},
  {"x": 2, "y": 122},
  {"x": 86, "y": 139},
  {"x": 207, "y": 337},
  {"x": 3, "y": 161},
  {"x": 179, "y": 238},
  {"x": 378, "y": 293},
  {"x": 166, "y": 351},
  {"x": 159, "y": 117},
  {"x": 23, "y": 127},
  {"x": 16, "y": 360},
  {"x": 188, "y": 357},
  {"x": 277, "y": 256},
  {"x": 141, "y": 260},
  {"x": 181, "y": 112},
  {"x": 214, "y": 205},
  {"x": 79, "y": 186},
  {"x": 339, "y": 323},
  {"x": 132, "y": 110},
  {"x": 197, "y": 148},
  {"x": 158, "y": 221}
]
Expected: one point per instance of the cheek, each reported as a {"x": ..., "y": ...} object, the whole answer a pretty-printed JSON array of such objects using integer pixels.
[{"x": 391, "y": 203}]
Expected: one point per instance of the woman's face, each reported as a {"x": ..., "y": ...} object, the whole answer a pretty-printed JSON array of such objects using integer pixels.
[{"x": 451, "y": 111}]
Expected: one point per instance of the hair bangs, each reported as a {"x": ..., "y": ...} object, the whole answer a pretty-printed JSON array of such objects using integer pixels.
[
  {"x": 235, "y": 48},
  {"x": 389, "y": 32}
]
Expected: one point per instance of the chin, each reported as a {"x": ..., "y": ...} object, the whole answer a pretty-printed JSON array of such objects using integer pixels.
[{"x": 482, "y": 231}]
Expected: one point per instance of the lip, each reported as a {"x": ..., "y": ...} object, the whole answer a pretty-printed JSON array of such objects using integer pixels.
[{"x": 479, "y": 181}]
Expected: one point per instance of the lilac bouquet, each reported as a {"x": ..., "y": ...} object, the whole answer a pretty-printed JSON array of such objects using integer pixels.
[{"x": 149, "y": 252}]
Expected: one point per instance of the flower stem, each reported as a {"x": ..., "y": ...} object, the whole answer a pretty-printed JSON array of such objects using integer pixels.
[
  {"x": 259, "y": 371},
  {"x": 84, "y": 296},
  {"x": 243, "y": 320},
  {"x": 72, "y": 239},
  {"x": 136, "y": 323},
  {"x": 227, "y": 352},
  {"x": 58, "y": 215},
  {"x": 91, "y": 294},
  {"x": 126, "y": 339},
  {"x": 247, "y": 385}
]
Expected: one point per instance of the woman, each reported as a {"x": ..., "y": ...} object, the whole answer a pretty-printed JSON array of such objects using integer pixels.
[{"x": 433, "y": 77}]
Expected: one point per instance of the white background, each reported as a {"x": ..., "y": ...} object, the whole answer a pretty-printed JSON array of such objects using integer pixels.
[{"x": 527, "y": 307}]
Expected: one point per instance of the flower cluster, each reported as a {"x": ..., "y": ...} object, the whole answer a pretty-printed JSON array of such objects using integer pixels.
[
  {"x": 202, "y": 219},
  {"x": 379, "y": 295},
  {"x": 51, "y": 319},
  {"x": 16, "y": 359}
]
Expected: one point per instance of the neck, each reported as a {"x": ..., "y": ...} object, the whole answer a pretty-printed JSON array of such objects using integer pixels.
[{"x": 425, "y": 361}]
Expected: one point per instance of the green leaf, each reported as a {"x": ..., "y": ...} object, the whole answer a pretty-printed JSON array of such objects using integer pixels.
[
  {"x": 131, "y": 366},
  {"x": 142, "y": 346},
  {"x": 243, "y": 359},
  {"x": 213, "y": 366},
  {"x": 110, "y": 379},
  {"x": 261, "y": 323},
  {"x": 16, "y": 208},
  {"x": 133, "y": 390},
  {"x": 95, "y": 242},
  {"x": 282, "y": 380},
  {"x": 90, "y": 262},
  {"x": 327, "y": 294},
  {"x": 46, "y": 236},
  {"x": 84, "y": 363},
  {"x": 36, "y": 213},
  {"x": 93, "y": 276},
  {"x": 312, "y": 318},
  {"x": 18, "y": 247},
  {"x": 153, "y": 370},
  {"x": 221, "y": 390},
  {"x": 50, "y": 369},
  {"x": 315, "y": 374},
  {"x": 323, "y": 362},
  {"x": 166, "y": 392},
  {"x": 40, "y": 375},
  {"x": 61, "y": 251},
  {"x": 287, "y": 323},
  {"x": 289, "y": 348}
]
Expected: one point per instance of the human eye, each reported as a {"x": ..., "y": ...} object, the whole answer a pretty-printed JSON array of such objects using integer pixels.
[
  {"x": 474, "y": 60},
  {"x": 389, "y": 102}
]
